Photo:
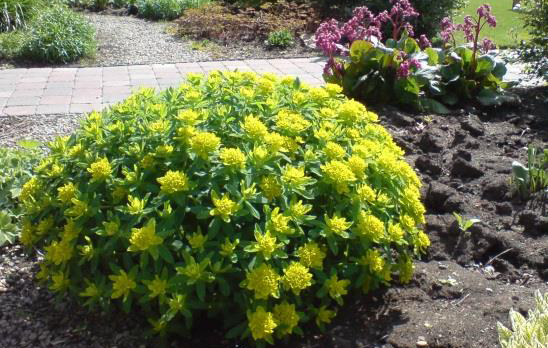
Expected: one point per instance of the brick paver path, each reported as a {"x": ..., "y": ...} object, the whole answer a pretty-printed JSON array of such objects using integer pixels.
[{"x": 77, "y": 90}]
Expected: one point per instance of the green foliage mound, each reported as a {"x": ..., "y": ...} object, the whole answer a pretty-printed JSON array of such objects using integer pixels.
[
  {"x": 256, "y": 199},
  {"x": 16, "y": 168},
  {"x": 527, "y": 333},
  {"x": 58, "y": 35},
  {"x": 15, "y": 13},
  {"x": 165, "y": 9}
]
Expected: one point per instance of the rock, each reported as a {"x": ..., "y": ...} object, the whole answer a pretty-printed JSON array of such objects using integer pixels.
[
  {"x": 453, "y": 204},
  {"x": 433, "y": 140},
  {"x": 422, "y": 343},
  {"x": 533, "y": 223},
  {"x": 465, "y": 169},
  {"x": 466, "y": 155},
  {"x": 473, "y": 125},
  {"x": 427, "y": 165},
  {"x": 503, "y": 208},
  {"x": 496, "y": 189},
  {"x": 401, "y": 120},
  {"x": 437, "y": 194}
]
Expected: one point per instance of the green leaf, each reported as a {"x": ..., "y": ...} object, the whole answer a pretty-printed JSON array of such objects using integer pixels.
[
  {"x": 485, "y": 64},
  {"x": 499, "y": 70},
  {"x": 433, "y": 56},
  {"x": 358, "y": 49},
  {"x": 429, "y": 104},
  {"x": 200, "y": 291},
  {"x": 253, "y": 211},
  {"x": 165, "y": 254},
  {"x": 28, "y": 144}
]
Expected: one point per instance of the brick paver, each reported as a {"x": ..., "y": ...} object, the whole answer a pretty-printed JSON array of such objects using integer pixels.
[{"x": 77, "y": 90}]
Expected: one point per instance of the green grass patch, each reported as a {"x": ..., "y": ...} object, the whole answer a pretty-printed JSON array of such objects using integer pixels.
[{"x": 510, "y": 30}]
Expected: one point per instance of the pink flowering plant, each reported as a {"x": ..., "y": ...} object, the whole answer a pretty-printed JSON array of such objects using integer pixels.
[{"x": 405, "y": 70}]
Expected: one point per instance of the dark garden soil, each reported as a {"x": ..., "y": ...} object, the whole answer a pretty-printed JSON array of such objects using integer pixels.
[{"x": 461, "y": 289}]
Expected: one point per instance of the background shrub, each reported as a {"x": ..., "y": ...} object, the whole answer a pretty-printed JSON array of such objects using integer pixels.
[
  {"x": 165, "y": 9},
  {"x": 255, "y": 199},
  {"x": 15, "y": 13},
  {"x": 16, "y": 167},
  {"x": 280, "y": 39},
  {"x": 58, "y": 35}
]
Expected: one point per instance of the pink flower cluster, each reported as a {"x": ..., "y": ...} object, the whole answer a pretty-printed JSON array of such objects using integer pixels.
[
  {"x": 402, "y": 11},
  {"x": 405, "y": 68},
  {"x": 364, "y": 25},
  {"x": 471, "y": 28}
]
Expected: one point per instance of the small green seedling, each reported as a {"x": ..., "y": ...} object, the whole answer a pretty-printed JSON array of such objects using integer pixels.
[{"x": 465, "y": 225}]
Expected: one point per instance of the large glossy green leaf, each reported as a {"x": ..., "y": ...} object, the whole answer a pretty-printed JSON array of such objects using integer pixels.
[
  {"x": 499, "y": 70},
  {"x": 358, "y": 49},
  {"x": 433, "y": 56},
  {"x": 485, "y": 65}
]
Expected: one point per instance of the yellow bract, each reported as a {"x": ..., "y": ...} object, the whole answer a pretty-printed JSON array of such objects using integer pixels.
[
  {"x": 173, "y": 182},
  {"x": 144, "y": 238},
  {"x": 100, "y": 170}
]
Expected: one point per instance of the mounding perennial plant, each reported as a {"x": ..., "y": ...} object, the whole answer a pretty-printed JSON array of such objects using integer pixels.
[
  {"x": 407, "y": 71},
  {"x": 256, "y": 199}
]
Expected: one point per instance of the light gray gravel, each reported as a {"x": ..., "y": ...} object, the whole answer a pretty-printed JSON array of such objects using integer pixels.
[
  {"x": 42, "y": 128},
  {"x": 125, "y": 40}
]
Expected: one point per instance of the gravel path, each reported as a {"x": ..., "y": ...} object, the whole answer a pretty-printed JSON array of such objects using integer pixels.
[{"x": 126, "y": 40}]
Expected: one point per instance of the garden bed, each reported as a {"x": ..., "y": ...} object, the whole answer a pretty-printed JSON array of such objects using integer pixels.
[{"x": 462, "y": 288}]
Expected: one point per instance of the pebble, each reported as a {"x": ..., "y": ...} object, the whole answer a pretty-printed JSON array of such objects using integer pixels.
[{"x": 422, "y": 343}]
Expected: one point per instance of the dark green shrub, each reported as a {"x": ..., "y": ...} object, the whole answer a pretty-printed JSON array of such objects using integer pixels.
[
  {"x": 280, "y": 39},
  {"x": 16, "y": 167},
  {"x": 256, "y": 199},
  {"x": 165, "y": 9},
  {"x": 58, "y": 35}
]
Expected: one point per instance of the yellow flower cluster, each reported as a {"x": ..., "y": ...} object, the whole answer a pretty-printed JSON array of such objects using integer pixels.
[
  {"x": 224, "y": 207},
  {"x": 66, "y": 192},
  {"x": 263, "y": 281},
  {"x": 291, "y": 123},
  {"x": 100, "y": 170},
  {"x": 59, "y": 252},
  {"x": 297, "y": 277},
  {"x": 144, "y": 238},
  {"x": 286, "y": 317},
  {"x": 173, "y": 182},
  {"x": 337, "y": 225},
  {"x": 204, "y": 144},
  {"x": 336, "y": 287},
  {"x": 339, "y": 174},
  {"x": 122, "y": 284},
  {"x": 254, "y": 128},
  {"x": 233, "y": 158},
  {"x": 311, "y": 255},
  {"x": 270, "y": 187},
  {"x": 266, "y": 244},
  {"x": 369, "y": 226},
  {"x": 261, "y": 324}
]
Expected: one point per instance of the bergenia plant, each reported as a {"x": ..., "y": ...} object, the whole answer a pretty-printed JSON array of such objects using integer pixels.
[
  {"x": 402, "y": 70},
  {"x": 471, "y": 28}
]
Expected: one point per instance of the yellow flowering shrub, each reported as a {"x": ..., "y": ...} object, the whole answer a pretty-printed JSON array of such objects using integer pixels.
[{"x": 265, "y": 206}]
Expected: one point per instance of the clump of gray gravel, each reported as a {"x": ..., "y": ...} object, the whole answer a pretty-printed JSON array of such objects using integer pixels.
[
  {"x": 128, "y": 40},
  {"x": 42, "y": 128}
]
